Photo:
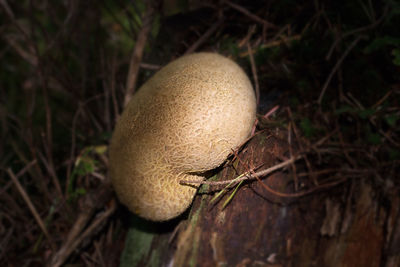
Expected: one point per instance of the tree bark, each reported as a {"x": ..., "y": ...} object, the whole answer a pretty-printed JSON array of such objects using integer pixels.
[{"x": 345, "y": 225}]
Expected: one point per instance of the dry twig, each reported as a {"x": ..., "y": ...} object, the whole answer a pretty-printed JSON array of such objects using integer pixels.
[
  {"x": 336, "y": 67},
  {"x": 356, "y": 31},
  {"x": 282, "y": 40},
  {"x": 137, "y": 54},
  {"x": 31, "y": 207},
  {"x": 204, "y": 37},
  {"x": 250, "y": 15},
  {"x": 247, "y": 176},
  {"x": 76, "y": 235},
  {"x": 254, "y": 71}
]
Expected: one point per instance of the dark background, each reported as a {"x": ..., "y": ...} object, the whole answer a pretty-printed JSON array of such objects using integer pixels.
[{"x": 332, "y": 67}]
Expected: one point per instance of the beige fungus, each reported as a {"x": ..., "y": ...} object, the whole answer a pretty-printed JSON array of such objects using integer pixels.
[{"x": 185, "y": 120}]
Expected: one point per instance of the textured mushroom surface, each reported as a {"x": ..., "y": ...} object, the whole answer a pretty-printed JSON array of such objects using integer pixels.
[{"x": 183, "y": 121}]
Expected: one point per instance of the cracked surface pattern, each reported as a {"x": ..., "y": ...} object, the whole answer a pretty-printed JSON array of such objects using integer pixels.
[{"x": 186, "y": 119}]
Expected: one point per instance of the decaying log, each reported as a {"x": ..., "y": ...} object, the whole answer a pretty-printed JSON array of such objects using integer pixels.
[{"x": 345, "y": 225}]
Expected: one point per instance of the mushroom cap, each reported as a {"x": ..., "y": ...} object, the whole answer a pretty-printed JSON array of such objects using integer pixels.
[{"x": 184, "y": 120}]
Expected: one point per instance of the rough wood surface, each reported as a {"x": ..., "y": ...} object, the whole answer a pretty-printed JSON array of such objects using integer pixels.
[{"x": 348, "y": 225}]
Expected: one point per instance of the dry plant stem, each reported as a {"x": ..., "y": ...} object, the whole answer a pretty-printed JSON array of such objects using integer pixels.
[
  {"x": 19, "y": 174},
  {"x": 253, "y": 130},
  {"x": 72, "y": 152},
  {"x": 372, "y": 121},
  {"x": 99, "y": 254},
  {"x": 336, "y": 67},
  {"x": 266, "y": 171},
  {"x": 48, "y": 139},
  {"x": 380, "y": 101},
  {"x": 204, "y": 37},
  {"x": 271, "y": 111},
  {"x": 300, "y": 194},
  {"x": 76, "y": 235},
  {"x": 71, "y": 162},
  {"x": 137, "y": 55},
  {"x": 254, "y": 71},
  {"x": 392, "y": 245},
  {"x": 293, "y": 166},
  {"x": 7, "y": 8},
  {"x": 6, "y": 237},
  {"x": 316, "y": 173},
  {"x": 52, "y": 173},
  {"x": 355, "y": 103},
  {"x": 280, "y": 34},
  {"x": 345, "y": 152},
  {"x": 323, "y": 139},
  {"x": 248, "y": 36},
  {"x": 249, "y": 171},
  {"x": 35, "y": 172},
  {"x": 113, "y": 88},
  {"x": 283, "y": 40},
  {"x": 33, "y": 59},
  {"x": 149, "y": 66},
  {"x": 73, "y": 9},
  {"x": 297, "y": 135},
  {"x": 36, "y": 63},
  {"x": 250, "y": 15},
  {"x": 31, "y": 206},
  {"x": 24, "y": 54},
  {"x": 107, "y": 93},
  {"x": 358, "y": 30},
  {"x": 109, "y": 85},
  {"x": 107, "y": 113},
  {"x": 247, "y": 176},
  {"x": 63, "y": 254}
]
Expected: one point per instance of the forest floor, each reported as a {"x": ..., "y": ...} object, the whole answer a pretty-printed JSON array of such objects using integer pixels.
[{"x": 326, "y": 71}]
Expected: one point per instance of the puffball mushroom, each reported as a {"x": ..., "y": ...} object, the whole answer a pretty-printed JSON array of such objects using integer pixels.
[{"x": 182, "y": 122}]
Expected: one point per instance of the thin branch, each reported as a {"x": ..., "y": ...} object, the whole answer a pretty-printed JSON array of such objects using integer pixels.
[
  {"x": 270, "y": 112},
  {"x": 257, "y": 175},
  {"x": 62, "y": 255},
  {"x": 247, "y": 176},
  {"x": 30, "y": 206},
  {"x": 254, "y": 71},
  {"x": 137, "y": 54},
  {"x": 297, "y": 136},
  {"x": 72, "y": 150},
  {"x": 336, "y": 67},
  {"x": 7, "y": 9},
  {"x": 148, "y": 66},
  {"x": 204, "y": 37},
  {"x": 282, "y": 40},
  {"x": 92, "y": 202},
  {"x": 304, "y": 193},
  {"x": 358, "y": 30},
  {"x": 371, "y": 119},
  {"x": 19, "y": 174},
  {"x": 290, "y": 145},
  {"x": 113, "y": 89},
  {"x": 250, "y": 15},
  {"x": 26, "y": 168}
]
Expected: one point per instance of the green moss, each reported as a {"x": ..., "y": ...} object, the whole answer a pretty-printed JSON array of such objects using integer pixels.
[
  {"x": 193, "y": 256},
  {"x": 194, "y": 215},
  {"x": 137, "y": 248}
]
